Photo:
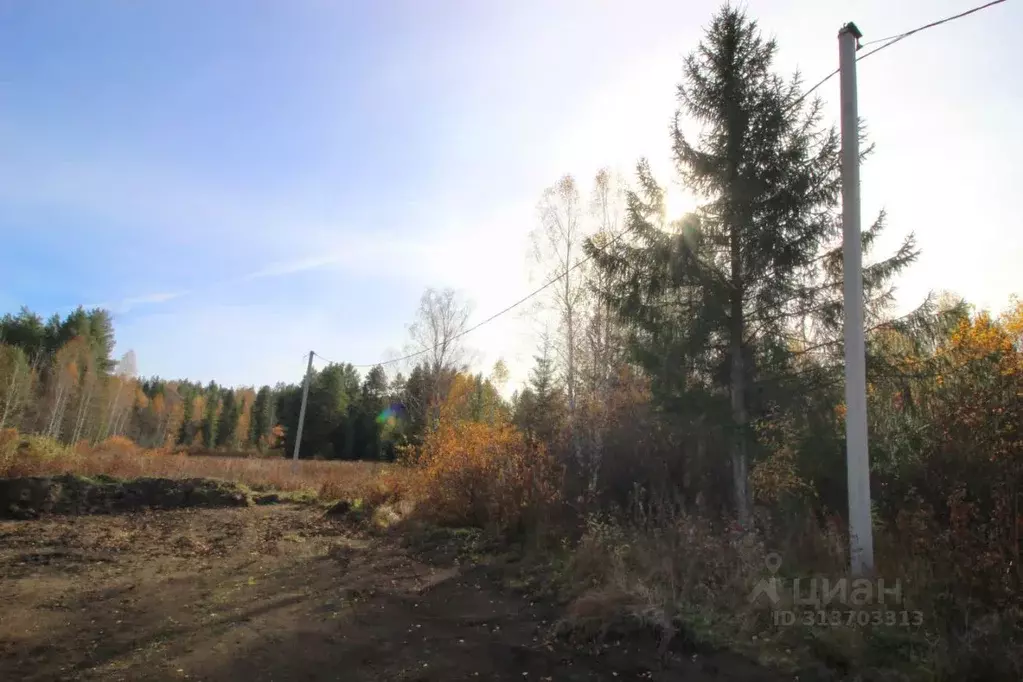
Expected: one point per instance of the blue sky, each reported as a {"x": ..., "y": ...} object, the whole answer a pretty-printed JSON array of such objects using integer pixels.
[{"x": 243, "y": 180}]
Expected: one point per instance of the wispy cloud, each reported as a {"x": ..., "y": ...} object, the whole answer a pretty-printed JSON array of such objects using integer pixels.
[
  {"x": 155, "y": 298},
  {"x": 291, "y": 267},
  {"x": 126, "y": 304}
]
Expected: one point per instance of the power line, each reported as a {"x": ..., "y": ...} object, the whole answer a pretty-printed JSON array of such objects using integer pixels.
[
  {"x": 891, "y": 40},
  {"x": 887, "y": 42},
  {"x": 493, "y": 317},
  {"x": 807, "y": 93},
  {"x": 939, "y": 22}
]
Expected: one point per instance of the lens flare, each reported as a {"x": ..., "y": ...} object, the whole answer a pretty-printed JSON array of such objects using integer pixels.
[{"x": 391, "y": 414}]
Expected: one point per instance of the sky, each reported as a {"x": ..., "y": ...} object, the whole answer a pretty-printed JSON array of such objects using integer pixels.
[{"x": 242, "y": 181}]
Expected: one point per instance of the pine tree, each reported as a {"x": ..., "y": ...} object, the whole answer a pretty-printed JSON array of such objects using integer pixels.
[
  {"x": 540, "y": 409},
  {"x": 261, "y": 417},
  {"x": 228, "y": 423},
  {"x": 713, "y": 301},
  {"x": 101, "y": 338},
  {"x": 186, "y": 432},
  {"x": 210, "y": 417}
]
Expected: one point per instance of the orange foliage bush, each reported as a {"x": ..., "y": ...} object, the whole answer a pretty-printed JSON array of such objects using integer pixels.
[
  {"x": 116, "y": 445},
  {"x": 486, "y": 475},
  {"x": 955, "y": 501}
]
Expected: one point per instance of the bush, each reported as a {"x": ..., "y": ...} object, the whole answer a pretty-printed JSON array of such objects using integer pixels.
[
  {"x": 116, "y": 445},
  {"x": 484, "y": 475},
  {"x": 22, "y": 455}
]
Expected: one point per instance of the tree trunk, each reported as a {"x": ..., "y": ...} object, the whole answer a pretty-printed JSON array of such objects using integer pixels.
[
  {"x": 740, "y": 463},
  {"x": 113, "y": 407},
  {"x": 12, "y": 395},
  {"x": 573, "y": 427},
  {"x": 83, "y": 409},
  {"x": 121, "y": 418},
  {"x": 161, "y": 430},
  {"x": 57, "y": 413}
]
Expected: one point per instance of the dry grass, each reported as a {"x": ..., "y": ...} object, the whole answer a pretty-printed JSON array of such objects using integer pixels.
[
  {"x": 663, "y": 569},
  {"x": 659, "y": 568},
  {"x": 120, "y": 458}
]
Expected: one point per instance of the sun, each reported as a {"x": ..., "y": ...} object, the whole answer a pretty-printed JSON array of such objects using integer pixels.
[{"x": 678, "y": 202}]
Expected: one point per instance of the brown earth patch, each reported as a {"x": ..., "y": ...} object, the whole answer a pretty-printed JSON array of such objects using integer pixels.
[{"x": 282, "y": 593}]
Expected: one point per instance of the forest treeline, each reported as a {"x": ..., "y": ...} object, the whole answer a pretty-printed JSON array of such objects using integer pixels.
[{"x": 59, "y": 378}]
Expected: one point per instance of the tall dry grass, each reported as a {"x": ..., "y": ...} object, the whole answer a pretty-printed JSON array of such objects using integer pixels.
[
  {"x": 121, "y": 458},
  {"x": 656, "y": 566}
]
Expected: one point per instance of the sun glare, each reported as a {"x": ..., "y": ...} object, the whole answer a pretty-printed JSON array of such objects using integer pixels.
[{"x": 677, "y": 202}]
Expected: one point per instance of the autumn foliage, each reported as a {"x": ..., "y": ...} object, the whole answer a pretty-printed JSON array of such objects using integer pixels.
[
  {"x": 958, "y": 500},
  {"x": 31, "y": 455},
  {"x": 481, "y": 472}
]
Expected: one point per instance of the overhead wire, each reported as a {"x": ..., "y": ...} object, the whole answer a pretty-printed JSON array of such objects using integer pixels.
[
  {"x": 579, "y": 263},
  {"x": 891, "y": 40},
  {"x": 886, "y": 42},
  {"x": 900, "y": 36}
]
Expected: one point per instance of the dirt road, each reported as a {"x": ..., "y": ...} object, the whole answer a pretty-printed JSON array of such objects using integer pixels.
[{"x": 277, "y": 593}]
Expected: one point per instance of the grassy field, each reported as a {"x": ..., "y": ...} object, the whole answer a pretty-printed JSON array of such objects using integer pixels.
[{"x": 120, "y": 458}]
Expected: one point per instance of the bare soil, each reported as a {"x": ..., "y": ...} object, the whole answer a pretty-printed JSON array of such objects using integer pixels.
[
  {"x": 28, "y": 497},
  {"x": 281, "y": 593}
]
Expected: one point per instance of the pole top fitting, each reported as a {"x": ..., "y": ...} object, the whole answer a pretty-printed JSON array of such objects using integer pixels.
[{"x": 851, "y": 28}]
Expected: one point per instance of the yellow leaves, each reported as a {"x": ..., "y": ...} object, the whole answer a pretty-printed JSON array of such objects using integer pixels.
[
  {"x": 482, "y": 474},
  {"x": 984, "y": 339},
  {"x": 159, "y": 404},
  {"x": 778, "y": 476},
  {"x": 117, "y": 445},
  {"x": 198, "y": 407},
  {"x": 1012, "y": 321},
  {"x": 276, "y": 437},
  {"x": 71, "y": 371},
  {"x": 456, "y": 403}
]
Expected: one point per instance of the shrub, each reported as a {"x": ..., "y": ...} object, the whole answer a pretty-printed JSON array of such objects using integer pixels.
[
  {"x": 484, "y": 475},
  {"x": 117, "y": 445},
  {"x": 27, "y": 455}
]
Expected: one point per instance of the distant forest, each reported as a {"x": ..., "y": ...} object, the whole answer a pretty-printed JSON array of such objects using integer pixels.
[{"x": 58, "y": 377}]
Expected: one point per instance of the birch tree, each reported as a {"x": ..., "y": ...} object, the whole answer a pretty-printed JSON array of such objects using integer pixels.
[
  {"x": 15, "y": 383},
  {"x": 557, "y": 249},
  {"x": 440, "y": 321}
]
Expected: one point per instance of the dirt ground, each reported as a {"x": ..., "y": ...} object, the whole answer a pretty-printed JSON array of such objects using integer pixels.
[{"x": 279, "y": 593}]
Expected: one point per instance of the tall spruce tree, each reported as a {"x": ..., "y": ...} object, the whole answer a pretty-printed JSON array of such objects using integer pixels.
[
  {"x": 540, "y": 409},
  {"x": 211, "y": 416},
  {"x": 227, "y": 427},
  {"x": 715, "y": 301},
  {"x": 261, "y": 417}
]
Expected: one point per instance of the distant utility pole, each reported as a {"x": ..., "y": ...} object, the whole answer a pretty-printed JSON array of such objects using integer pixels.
[
  {"x": 301, "y": 411},
  {"x": 861, "y": 534}
]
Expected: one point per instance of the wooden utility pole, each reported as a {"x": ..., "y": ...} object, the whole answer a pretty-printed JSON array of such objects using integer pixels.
[{"x": 301, "y": 411}]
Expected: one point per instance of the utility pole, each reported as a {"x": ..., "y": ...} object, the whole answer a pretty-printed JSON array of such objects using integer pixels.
[
  {"x": 301, "y": 411},
  {"x": 861, "y": 534}
]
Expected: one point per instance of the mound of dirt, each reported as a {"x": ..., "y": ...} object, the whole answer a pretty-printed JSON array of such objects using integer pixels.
[{"x": 26, "y": 498}]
